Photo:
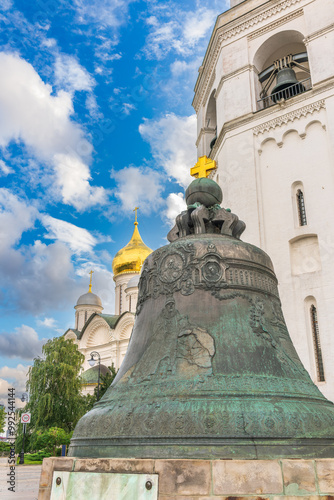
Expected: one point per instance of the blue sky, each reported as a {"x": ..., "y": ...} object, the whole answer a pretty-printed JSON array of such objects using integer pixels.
[{"x": 95, "y": 119}]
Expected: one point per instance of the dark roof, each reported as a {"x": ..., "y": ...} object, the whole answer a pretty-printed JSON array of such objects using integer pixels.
[
  {"x": 91, "y": 375},
  {"x": 73, "y": 330},
  {"x": 111, "y": 319}
]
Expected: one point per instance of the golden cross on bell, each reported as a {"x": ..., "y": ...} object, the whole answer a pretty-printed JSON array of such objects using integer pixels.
[
  {"x": 135, "y": 210},
  {"x": 203, "y": 167},
  {"x": 90, "y": 282}
]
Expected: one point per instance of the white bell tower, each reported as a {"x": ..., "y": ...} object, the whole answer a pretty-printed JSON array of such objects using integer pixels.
[{"x": 264, "y": 100}]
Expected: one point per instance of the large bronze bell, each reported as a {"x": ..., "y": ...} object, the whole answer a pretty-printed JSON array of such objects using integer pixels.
[
  {"x": 210, "y": 370},
  {"x": 287, "y": 85}
]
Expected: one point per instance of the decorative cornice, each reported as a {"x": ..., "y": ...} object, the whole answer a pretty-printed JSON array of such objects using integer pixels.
[
  {"x": 236, "y": 30},
  {"x": 276, "y": 24},
  {"x": 289, "y": 117},
  {"x": 318, "y": 33},
  {"x": 257, "y": 19},
  {"x": 201, "y": 91}
]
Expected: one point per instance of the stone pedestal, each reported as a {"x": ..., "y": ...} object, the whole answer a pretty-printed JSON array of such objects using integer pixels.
[{"x": 211, "y": 479}]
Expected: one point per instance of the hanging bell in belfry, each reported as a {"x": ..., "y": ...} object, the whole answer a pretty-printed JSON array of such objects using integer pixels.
[
  {"x": 210, "y": 369},
  {"x": 287, "y": 85}
]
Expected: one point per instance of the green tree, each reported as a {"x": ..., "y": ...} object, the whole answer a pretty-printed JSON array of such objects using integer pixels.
[
  {"x": 54, "y": 385},
  {"x": 105, "y": 381},
  {"x": 50, "y": 439},
  {"x": 2, "y": 418}
]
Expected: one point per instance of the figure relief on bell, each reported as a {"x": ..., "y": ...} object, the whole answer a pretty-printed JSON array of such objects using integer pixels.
[
  {"x": 172, "y": 267},
  {"x": 268, "y": 327},
  {"x": 176, "y": 346}
]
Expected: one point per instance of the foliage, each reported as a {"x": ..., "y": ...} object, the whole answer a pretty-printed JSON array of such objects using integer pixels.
[
  {"x": 49, "y": 440},
  {"x": 55, "y": 386},
  {"x": 55, "y": 400},
  {"x": 105, "y": 381},
  {"x": 2, "y": 418},
  {"x": 4, "y": 448},
  {"x": 88, "y": 402}
]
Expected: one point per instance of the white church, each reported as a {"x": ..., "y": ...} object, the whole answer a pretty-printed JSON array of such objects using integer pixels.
[
  {"x": 109, "y": 334},
  {"x": 264, "y": 100}
]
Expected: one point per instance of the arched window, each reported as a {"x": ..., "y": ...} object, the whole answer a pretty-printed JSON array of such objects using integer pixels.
[
  {"x": 316, "y": 344},
  {"x": 282, "y": 68},
  {"x": 86, "y": 316},
  {"x": 211, "y": 123},
  {"x": 301, "y": 208}
]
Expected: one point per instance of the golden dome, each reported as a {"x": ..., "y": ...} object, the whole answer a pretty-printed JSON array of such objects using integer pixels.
[{"x": 130, "y": 258}]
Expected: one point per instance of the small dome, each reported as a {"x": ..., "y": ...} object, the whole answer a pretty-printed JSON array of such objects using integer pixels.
[
  {"x": 133, "y": 282},
  {"x": 89, "y": 299},
  {"x": 130, "y": 258}
]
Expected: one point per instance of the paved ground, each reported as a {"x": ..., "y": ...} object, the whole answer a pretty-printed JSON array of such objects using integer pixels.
[{"x": 26, "y": 481}]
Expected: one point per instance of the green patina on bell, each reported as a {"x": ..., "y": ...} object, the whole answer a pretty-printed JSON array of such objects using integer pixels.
[{"x": 210, "y": 370}]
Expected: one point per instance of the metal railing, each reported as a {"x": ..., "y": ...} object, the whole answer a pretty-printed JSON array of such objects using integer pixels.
[{"x": 283, "y": 95}]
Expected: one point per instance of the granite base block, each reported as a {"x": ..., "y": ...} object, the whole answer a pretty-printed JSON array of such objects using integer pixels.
[{"x": 212, "y": 479}]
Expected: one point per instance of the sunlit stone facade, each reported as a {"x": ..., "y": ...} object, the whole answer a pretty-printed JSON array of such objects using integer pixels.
[{"x": 275, "y": 161}]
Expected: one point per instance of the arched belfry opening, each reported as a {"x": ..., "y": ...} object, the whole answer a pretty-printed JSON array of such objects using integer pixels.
[
  {"x": 283, "y": 69},
  {"x": 211, "y": 123}
]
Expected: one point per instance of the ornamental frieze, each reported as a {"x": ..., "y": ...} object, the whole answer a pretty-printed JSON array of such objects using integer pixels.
[{"x": 177, "y": 268}]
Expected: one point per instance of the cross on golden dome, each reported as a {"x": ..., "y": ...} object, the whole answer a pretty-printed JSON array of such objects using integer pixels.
[
  {"x": 203, "y": 167},
  {"x": 130, "y": 258},
  {"x": 90, "y": 282},
  {"x": 135, "y": 210}
]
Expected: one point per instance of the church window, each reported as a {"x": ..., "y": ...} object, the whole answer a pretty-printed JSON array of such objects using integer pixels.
[
  {"x": 282, "y": 68},
  {"x": 316, "y": 344},
  {"x": 211, "y": 122},
  {"x": 85, "y": 316},
  {"x": 301, "y": 208},
  {"x": 129, "y": 303}
]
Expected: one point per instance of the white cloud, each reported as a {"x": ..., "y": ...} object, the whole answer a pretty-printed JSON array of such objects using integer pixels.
[
  {"x": 111, "y": 13},
  {"x": 47, "y": 322},
  {"x": 93, "y": 107},
  {"x": 6, "y": 4},
  {"x": 73, "y": 177},
  {"x": 28, "y": 292},
  {"x": 175, "y": 205},
  {"x": 138, "y": 186},
  {"x": 22, "y": 343},
  {"x": 13, "y": 378},
  {"x": 172, "y": 139},
  {"x": 5, "y": 169},
  {"x": 16, "y": 217},
  {"x": 173, "y": 29},
  {"x": 17, "y": 376},
  {"x": 77, "y": 238},
  {"x": 128, "y": 107},
  {"x": 42, "y": 121},
  {"x": 71, "y": 76},
  {"x": 198, "y": 24},
  {"x": 21, "y": 269}
]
